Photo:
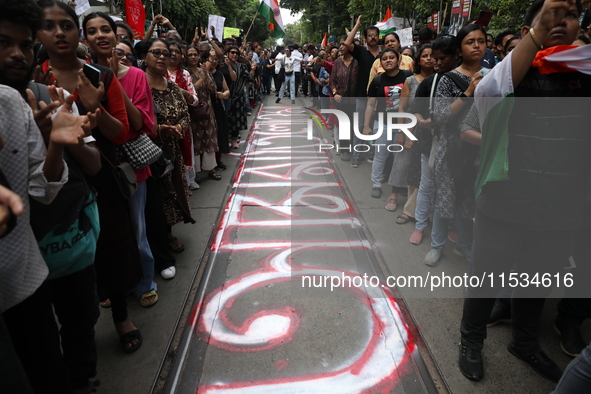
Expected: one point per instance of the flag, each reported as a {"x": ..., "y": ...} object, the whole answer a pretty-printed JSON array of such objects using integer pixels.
[
  {"x": 564, "y": 58},
  {"x": 136, "y": 17},
  {"x": 269, "y": 9},
  {"x": 323, "y": 41},
  {"x": 387, "y": 24}
]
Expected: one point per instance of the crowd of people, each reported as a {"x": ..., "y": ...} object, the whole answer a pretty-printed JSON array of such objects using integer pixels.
[{"x": 117, "y": 135}]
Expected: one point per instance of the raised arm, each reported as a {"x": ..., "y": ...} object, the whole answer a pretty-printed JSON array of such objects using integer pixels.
[{"x": 349, "y": 42}]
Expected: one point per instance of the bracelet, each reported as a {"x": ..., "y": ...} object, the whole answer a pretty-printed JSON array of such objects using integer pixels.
[{"x": 534, "y": 38}]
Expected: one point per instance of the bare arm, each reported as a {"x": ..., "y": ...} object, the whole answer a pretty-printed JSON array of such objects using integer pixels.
[
  {"x": 87, "y": 157},
  {"x": 349, "y": 42},
  {"x": 552, "y": 13},
  {"x": 471, "y": 136},
  {"x": 371, "y": 104}
]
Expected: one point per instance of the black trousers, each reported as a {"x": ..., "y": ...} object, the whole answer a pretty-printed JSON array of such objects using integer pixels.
[
  {"x": 156, "y": 227},
  {"x": 35, "y": 338},
  {"x": 298, "y": 80},
  {"x": 75, "y": 302},
  {"x": 305, "y": 82},
  {"x": 500, "y": 247}
]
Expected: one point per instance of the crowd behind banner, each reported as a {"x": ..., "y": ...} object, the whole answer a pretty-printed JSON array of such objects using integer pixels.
[{"x": 103, "y": 139}]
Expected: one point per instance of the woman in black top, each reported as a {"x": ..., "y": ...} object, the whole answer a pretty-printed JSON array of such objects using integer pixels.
[{"x": 387, "y": 87}]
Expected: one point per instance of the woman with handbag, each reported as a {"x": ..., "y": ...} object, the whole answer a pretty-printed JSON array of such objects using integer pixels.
[
  {"x": 450, "y": 108},
  {"x": 203, "y": 122},
  {"x": 177, "y": 74},
  {"x": 172, "y": 119},
  {"x": 117, "y": 259},
  {"x": 100, "y": 32}
]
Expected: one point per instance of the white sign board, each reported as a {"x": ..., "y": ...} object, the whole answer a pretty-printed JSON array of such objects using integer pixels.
[
  {"x": 82, "y": 6},
  {"x": 405, "y": 36},
  {"x": 218, "y": 23}
]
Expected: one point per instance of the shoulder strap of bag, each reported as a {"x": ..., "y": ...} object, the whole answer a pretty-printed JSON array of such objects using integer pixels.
[
  {"x": 460, "y": 83},
  {"x": 432, "y": 94}
]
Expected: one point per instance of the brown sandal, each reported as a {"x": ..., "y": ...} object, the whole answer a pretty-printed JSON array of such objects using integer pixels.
[{"x": 175, "y": 245}]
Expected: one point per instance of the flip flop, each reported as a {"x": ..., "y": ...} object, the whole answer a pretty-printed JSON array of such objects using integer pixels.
[
  {"x": 127, "y": 338},
  {"x": 106, "y": 303},
  {"x": 403, "y": 219},
  {"x": 144, "y": 299}
]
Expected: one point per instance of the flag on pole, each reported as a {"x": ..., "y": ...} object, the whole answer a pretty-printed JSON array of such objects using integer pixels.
[
  {"x": 387, "y": 24},
  {"x": 323, "y": 41},
  {"x": 269, "y": 9}
]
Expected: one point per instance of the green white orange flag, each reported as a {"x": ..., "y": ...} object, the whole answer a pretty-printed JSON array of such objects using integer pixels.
[
  {"x": 387, "y": 24},
  {"x": 269, "y": 9}
]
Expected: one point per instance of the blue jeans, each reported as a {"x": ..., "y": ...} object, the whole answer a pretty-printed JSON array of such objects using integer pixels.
[
  {"x": 360, "y": 105},
  {"x": 291, "y": 80},
  {"x": 424, "y": 196},
  {"x": 381, "y": 153},
  {"x": 137, "y": 206},
  {"x": 576, "y": 378},
  {"x": 441, "y": 227}
]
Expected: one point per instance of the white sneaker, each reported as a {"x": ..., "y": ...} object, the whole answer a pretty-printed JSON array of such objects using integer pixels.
[
  {"x": 193, "y": 186},
  {"x": 169, "y": 272}
]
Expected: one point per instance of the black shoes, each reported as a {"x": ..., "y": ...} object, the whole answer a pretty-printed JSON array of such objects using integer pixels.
[
  {"x": 471, "y": 362},
  {"x": 499, "y": 315},
  {"x": 540, "y": 362},
  {"x": 277, "y": 101},
  {"x": 571, "y": 342}
]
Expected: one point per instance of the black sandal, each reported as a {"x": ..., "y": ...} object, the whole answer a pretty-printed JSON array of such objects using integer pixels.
[
  {"x": 127, "y": 338},
  {"x": 214, "y": 175},
  {"x": 221, "y": 166}
]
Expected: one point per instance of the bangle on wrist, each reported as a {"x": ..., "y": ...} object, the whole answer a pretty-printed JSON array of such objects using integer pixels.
[{"x": 532, "y": 34}]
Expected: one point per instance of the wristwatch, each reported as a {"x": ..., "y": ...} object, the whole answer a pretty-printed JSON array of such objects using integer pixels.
[{"x": 334, "y": 93}]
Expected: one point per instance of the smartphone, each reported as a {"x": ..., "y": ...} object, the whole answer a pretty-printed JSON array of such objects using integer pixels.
[
  {"x": 93, "y": 74},
  {"x": 484, "y": 18}
]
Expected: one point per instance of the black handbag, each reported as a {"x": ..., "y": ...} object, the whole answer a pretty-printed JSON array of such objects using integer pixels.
[
  {"x": 199, "y": 111},
  {"x": 124, "y": 177},
  {"x": 165, "y": 162}
]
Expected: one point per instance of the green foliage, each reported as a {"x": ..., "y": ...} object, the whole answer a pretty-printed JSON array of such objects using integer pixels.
[
  {"x": 300, "y": 33},
  {"x": 185, "y": 15}
]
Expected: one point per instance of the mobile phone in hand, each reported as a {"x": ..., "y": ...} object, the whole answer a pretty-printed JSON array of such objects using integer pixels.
[{"x": 93, "y": 74}]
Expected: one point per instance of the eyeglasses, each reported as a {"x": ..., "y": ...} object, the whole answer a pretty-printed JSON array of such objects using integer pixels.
[
  {"x": 233, "y": 53},
  {"x": 176, "y": 51},
  {"x": 123, "y": 36},
  {"x": 157, "y": 53},
  {"x": 120, "y": 53},
  {"x": 193, "y": 55},
  {"x": 372, "y": 35}
]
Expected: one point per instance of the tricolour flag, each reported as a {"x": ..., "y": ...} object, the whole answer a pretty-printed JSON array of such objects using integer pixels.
[
  {"x": 269, "y": 9},
  {"x": 387, "y": 24},
  {"x": 323, "y": 41}
]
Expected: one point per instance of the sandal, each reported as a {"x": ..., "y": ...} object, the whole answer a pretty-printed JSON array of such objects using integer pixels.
[
  {"x": 221, "y": 166},
  {"x": 392, "y": 204},
  {"x": 144, "y": 298},
  {"x": 214, "y": 175},
  {"x": 106, "y": 303},
  {"x": 403, "y": 219},
  {"x": 175, "y": 245},
  {"x": 127, "y": 338}
]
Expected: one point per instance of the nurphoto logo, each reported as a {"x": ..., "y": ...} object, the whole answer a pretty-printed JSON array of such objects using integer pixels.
[{"x": 344, "y": 131}]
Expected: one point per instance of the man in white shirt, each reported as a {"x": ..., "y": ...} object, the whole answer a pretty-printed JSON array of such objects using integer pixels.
[{"x": 297, "y": 68}]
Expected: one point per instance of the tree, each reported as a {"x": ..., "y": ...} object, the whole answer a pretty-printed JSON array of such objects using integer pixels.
[{"x": 185, "y": 15}]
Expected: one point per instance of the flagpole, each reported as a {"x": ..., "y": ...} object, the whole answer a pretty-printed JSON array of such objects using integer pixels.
[{"x": 252, "y": 23}]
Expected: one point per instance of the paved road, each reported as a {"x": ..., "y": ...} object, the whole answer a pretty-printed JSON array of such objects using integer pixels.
[{"x": 237, "y": 318}]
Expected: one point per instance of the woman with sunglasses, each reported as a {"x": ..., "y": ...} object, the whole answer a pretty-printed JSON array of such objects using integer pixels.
[
  {"x": 117, "y": 262},
  {"x": 99, "y": 30},
  {"x": 205, "y": 129},
  {"x": 126, "y": 54},
  {"x": 172, "y": 122},
  {"x": 244, "y": 75},
  {"x": 182, "y": 78}
]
